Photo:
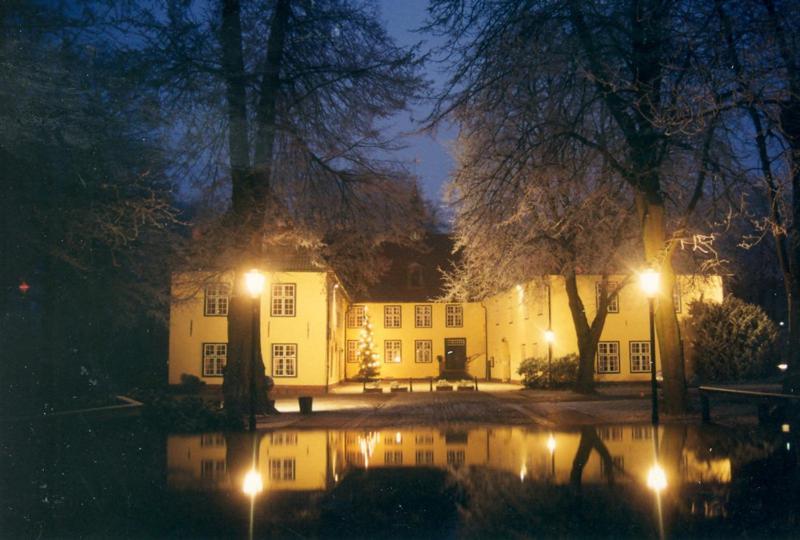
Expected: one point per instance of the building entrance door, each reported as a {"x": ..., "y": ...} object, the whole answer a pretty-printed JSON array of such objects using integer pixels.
[{"x": 455, "y": 355}]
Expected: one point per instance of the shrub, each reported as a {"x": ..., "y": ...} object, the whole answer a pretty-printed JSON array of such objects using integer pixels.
[
  {"x": 190, "y": 384},
  {"x": 191, "y": 414},
  {"x": 731, "y": 341},
  {"x": 564, "y": 370}
]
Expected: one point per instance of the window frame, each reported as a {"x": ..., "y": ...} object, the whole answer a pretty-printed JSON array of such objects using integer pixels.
[
  {"x": 362, "y": 317},
  {"x": 631, "y": 355},
  {"x": 206, "y": 296},
  {"x": 597, "y": 363},
  {"x": 417, "y": 342},
  {"x": 613, "y": 303},
  {"x": 399, "y": 315},
  {"x": 284, "y": 313},
  {"x": 273, "y": 359},
  {"x": 354, "y": 343},
  {"x": 386, "y": 342},
  {"x": 203, "y": 358},
  {"x": 447, "y": 323},
  {"x": 282, "y": 469},
  {"x": 417, "y": 309}
]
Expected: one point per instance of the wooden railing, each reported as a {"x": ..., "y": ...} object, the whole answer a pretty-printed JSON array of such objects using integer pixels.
[{"x": 764, "y": 400}]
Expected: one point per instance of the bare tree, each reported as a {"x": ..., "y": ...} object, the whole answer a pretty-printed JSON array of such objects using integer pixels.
[
  {"x": 628, "y": 72},
  {"x": 758, "y": 42},
  {"x": 543, "y": 219},
  {"x": 284, "y": 95}
]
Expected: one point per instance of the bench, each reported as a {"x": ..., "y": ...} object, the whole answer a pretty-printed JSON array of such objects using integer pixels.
[{"x": 765, "y": 400}]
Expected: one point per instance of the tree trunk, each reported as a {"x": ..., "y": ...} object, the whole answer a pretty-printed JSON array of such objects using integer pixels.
[
  {"x": 236, "y": 97},
  {"x": 777, "y": 221},
  {"x": 238, "y": 373},
  {"x": 588, "y": 336},
  {"x": 670, "y": 351},
  {"x": 250, "y": 189},
  {"x": 790, "y": 120},
  {"x": 790, "y": 125}
]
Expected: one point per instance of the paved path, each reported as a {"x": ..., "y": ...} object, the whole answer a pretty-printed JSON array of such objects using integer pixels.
[{"x": 617, "y": 404}]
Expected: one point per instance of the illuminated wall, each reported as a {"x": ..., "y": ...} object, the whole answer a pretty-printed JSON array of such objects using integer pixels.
[{"x": 518, "y": 318}]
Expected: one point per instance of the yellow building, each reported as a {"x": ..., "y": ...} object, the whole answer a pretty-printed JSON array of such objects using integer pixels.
[
  {"x": 518, "y": 319},
  {"x": 310, "y": 324}
]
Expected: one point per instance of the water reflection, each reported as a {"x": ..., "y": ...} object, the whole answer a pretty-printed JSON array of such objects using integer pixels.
[{"x": 620, "y": 480}]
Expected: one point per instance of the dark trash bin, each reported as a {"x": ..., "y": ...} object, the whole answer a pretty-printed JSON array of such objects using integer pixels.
[{"x": 305, "y": 404}]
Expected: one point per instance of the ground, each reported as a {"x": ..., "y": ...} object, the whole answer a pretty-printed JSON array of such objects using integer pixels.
[{"x": 348, "y": 408}]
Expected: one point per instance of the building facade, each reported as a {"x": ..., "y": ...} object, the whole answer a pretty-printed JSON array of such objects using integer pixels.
[{"x": 310, "y": 325}]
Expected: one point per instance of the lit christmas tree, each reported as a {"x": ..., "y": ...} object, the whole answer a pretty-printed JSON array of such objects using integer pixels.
[{"x": 367, "y": 357}]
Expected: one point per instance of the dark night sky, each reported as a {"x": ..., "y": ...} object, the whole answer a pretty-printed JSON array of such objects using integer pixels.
[{"x": 426, "y": 155}]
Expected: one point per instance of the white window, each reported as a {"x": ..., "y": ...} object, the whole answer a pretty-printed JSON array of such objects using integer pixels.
[
  {"x": 352, "y": 351},
  {"x": 280, "y": 438},
  {"x": 215, "y": 355},
  {"x": 284, "y": 360},
  {"x": 423, "y": 351},
  {"x": 393, "y": 458},
  {"x": 423, "y": 316},
  {"x": 217, "y": 295},
  {"x": 283, "y": 300},
  {"x": 213, "y": 469},
  {"x": 282, "y": 470},
  {"x": 392, "y": 351},
  {"x": 424, "y": 457},
  {"x": 454, "y": 316},
  {"x": 355, "y": 317},
  {"x": 613, "y": 303},
  {"x": 391, "y": 316},
  {"x": 676, "y": 296},
  {"x": 640, "y": 356},
  {"x": 608, "y": 357},
  {"x": 456, "y": 458}
]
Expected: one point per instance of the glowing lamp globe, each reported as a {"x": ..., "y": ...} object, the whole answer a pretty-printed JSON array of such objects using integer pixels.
[
  {"x": 254, "y": 282},
  {"x": 253, "y": 484},
  {"x": 650, "y": 281},
  {"x": 549, "y": 336},
  {"x": 551, "y": 444}
]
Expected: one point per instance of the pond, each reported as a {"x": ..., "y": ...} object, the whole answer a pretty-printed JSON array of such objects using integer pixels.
[{"x": 456, "y": 482}]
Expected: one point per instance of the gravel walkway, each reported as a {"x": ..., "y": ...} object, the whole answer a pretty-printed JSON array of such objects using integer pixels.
[{"x": 611, "y": 405}]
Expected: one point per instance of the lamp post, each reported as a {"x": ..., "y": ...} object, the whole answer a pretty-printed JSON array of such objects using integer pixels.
[
  {"x": 649, "y": 281},
  {"x": 549, "y": 337},
  {"x": 254, "y": 282}
]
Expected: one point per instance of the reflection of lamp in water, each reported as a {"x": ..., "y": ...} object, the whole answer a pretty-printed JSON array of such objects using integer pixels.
[
  {"x": 253, "y": 484},
  {"x": 656, "y": 478},
  {"x": 657, "y": 481},
  {"x": 551, "y": 447}
]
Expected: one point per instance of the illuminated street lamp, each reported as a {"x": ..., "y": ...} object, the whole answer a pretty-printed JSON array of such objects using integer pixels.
[
  {"x": 254, "y": 283},
  {"x": 650, "y": 280},
  {"x": 549, "y": 337}
]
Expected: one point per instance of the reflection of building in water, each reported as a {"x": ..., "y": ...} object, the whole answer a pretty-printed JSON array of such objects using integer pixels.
[
  {"x": 197, "y": 461},
  {"x": 316, "y": 460}
]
